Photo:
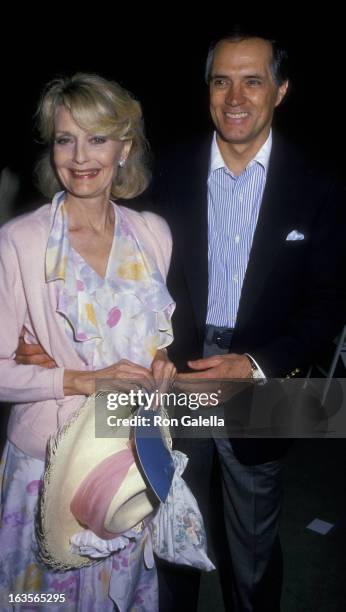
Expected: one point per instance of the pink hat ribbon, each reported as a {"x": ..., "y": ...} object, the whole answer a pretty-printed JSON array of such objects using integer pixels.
[{"x": 90, "y": 503}]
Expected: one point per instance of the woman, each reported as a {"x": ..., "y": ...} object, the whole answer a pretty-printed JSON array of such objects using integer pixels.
[{"x": 84, "y": 278}]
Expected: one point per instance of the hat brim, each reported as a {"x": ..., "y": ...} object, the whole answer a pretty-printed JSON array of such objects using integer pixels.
[
  {"x": 155, "y": 457},
  {"x": 71, "y": 454}
]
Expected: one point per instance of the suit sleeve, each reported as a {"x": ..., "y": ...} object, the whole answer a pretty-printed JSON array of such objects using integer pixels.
[{"x": 19, "y": 383}]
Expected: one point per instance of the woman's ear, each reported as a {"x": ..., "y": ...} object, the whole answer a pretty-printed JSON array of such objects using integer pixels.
[{"x": 125, "y": 150}]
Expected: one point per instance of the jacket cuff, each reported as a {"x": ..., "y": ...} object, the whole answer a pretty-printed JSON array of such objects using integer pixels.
[{"x": 58, "y": 383}]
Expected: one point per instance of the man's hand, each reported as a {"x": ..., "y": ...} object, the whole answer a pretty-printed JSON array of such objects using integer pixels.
[
  {"x": 217, "y": 374},
  {"x": 33, "y": 354},
  {"x": 220, "y": 367}
]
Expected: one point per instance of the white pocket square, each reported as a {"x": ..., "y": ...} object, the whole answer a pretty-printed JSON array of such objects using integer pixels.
[{"x": 294, "y": 235}]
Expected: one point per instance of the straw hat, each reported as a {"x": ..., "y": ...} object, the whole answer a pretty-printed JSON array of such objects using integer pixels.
[{"x": 90, "y": 483}]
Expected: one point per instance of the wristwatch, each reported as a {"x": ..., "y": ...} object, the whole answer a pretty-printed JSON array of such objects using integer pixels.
[{"x": 255, "y": 372}]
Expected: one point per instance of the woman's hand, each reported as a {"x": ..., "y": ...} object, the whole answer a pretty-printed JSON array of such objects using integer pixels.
[
  {"x": 125, "y": 375},
  {"x": 163, "y": 371}
]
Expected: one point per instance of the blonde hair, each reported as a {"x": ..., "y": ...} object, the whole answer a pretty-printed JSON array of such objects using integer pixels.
[{"x": 97, "y": 106}]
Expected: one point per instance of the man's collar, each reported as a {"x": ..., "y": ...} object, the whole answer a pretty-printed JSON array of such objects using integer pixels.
[{"x": 262, "y": 156}]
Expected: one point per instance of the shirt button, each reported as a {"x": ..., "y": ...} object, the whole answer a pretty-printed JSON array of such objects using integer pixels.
[
  {"x": 236, "y": 239},
  {"x": 235, "y": 278},
  {"x": 241, "y": 197}
]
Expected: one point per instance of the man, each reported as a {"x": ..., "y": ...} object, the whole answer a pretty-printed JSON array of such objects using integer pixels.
[{"x": 257, "y": 274}]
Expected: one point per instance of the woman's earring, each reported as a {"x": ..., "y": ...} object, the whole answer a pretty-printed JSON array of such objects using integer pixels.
[{"x": 121, "y": 163}]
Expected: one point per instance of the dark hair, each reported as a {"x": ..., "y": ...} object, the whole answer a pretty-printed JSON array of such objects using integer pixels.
[{"x": 279, "y": 63}]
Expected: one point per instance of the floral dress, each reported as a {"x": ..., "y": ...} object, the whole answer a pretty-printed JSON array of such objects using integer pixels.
[{"x": 125, "y": 315}]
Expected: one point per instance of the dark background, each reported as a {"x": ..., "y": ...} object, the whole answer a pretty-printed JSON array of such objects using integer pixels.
[{"x": 159, "y": 56}]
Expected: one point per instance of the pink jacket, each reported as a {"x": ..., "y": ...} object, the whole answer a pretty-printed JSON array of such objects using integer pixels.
[{"x": 27, "y": 300}]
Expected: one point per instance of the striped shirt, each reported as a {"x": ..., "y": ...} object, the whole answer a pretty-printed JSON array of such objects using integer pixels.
[{"x": 233, "y": 206}]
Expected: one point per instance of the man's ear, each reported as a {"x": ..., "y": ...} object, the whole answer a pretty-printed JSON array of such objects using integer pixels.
[{"x": 281, "y": 92}]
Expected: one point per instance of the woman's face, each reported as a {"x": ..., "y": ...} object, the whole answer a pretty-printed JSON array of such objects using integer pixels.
[{"x": 85, "y": 163}]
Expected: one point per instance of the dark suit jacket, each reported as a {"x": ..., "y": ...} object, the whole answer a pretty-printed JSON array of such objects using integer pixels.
[{"x": 293, "y": 299}]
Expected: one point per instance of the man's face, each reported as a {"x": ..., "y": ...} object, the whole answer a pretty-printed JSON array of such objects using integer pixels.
[{"x": 243, "y": 93}]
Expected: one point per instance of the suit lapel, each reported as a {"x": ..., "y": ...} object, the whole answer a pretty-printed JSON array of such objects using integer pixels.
[
  {"x": 276, "y": 218},
  {"x": 194, "y": 230}
]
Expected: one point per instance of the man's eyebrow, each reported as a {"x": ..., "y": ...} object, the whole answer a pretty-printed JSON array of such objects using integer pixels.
[
  {"x": 219, "y": 76},
  {"x": 254, "y": 75},
  {"x": 246, "y": 75}
]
